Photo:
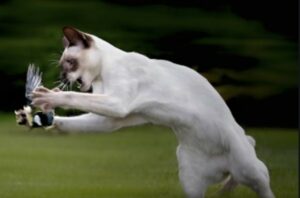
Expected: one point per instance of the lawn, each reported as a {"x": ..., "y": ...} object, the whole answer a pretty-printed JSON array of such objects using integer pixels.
[{"x": 133, "y": 163}]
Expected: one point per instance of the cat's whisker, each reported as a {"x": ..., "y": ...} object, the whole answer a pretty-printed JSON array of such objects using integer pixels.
[
  {"x": 63, "y": 87},
  {"x": 57, "y": 82},
  {"x": 60, "y": 86},
  {"x": 71, "y": 86},
  {"x": 54, "y": 59}
]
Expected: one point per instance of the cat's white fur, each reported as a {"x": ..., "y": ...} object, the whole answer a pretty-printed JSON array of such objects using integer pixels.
[{"x": 130, "y": 89}]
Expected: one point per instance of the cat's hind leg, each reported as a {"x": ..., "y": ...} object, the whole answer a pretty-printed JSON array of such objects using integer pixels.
[
  {"x": 197, "y": 171},
  {"x": 247, "y": 169}
]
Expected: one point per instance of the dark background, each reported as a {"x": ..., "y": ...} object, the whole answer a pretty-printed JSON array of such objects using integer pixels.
[{"x": 247, "y": 49}]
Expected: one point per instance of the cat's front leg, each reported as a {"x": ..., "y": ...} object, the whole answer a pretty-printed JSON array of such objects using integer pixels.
[
  {"x": 102, "y": 104},
  {"x": 95, "y": 123}
]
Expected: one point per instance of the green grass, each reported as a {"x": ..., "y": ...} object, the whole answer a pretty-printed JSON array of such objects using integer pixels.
[{"x": 135, "y": 163}]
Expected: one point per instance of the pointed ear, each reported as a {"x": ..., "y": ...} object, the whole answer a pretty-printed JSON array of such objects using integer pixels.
[
  {"x": 73, "y": 37},
  {"x": 66, "y": 42}
]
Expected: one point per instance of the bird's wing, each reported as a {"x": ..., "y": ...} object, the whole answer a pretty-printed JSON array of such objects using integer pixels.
[{"x": 33, "y": 80}]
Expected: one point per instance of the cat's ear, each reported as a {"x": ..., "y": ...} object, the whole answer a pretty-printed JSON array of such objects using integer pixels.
[{"x": 74, "y": 37}]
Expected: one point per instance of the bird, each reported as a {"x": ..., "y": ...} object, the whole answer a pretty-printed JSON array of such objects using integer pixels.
[{"x": 28, "y": 115}]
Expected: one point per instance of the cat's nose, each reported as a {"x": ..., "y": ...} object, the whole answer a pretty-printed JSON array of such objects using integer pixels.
[{"x": 63, "y": 75}]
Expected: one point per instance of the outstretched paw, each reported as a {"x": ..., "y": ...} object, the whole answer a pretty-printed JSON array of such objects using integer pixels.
[{"x": 45, "y": 99}]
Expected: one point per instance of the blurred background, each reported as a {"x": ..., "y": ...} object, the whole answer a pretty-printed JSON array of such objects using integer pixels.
[{"x": 246, "y": 49}]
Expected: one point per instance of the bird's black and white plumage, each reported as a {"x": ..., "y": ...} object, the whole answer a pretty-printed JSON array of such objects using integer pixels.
[{"x": 25, "y": 116}]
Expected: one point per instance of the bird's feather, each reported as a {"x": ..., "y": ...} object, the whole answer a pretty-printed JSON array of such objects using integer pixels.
[{"x": 33, "y": 80}]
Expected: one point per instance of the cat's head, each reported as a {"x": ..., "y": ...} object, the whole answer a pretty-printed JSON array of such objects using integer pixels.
[{"x": 80, "y": 59}]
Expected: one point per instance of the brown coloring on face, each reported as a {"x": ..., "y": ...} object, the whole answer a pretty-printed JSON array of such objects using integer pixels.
[
  {"x": 72, "y": 64},
  {"x": 68, "y": 65},
  {"x": 73, "y": 37}
]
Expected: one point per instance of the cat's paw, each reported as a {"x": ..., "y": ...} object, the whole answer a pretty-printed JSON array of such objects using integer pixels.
[{"x": 46, "y": 99}]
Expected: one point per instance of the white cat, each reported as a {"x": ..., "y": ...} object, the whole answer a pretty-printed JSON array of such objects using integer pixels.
[{"x": 130, "y": 89}]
